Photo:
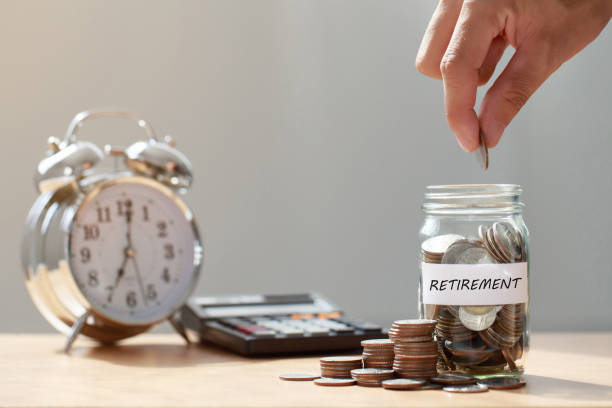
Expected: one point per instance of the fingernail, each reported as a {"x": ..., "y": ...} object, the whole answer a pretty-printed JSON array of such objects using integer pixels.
[{"x": 462, "y": 144}]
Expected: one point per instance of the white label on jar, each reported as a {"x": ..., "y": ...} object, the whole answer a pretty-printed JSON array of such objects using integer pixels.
[{"x": 484, "y": 284}]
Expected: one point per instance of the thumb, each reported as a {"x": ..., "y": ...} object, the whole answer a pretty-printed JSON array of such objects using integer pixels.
[{"x": 528, "y": 68}]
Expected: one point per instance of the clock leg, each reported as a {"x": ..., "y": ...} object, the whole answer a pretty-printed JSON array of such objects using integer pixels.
[
  {"x": 75, "y": 330},
  {"x": 178, "y": 327}
]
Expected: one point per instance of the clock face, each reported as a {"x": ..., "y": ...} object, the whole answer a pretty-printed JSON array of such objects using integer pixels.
[{"x": 134, "y": 251}]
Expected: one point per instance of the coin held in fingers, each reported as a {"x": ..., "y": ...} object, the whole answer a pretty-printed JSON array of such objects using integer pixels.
[{"x": 482, "y": 153}]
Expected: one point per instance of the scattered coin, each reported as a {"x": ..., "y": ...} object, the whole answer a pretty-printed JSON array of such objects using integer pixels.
[
  {"x": 503, "y": 383},
  {"x": 334, "y": 382},
  {"x": 403, "y": 384},
  {"x": 472, "y": 388},
  {"x": 430, "y": 386},
  {"x": 454, "y": 379},
  {"x": 298, "y": 377}
]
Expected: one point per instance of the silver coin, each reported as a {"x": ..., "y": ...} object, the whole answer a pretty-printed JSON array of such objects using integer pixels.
[
  {"x": 341, "y": 359},
  {"x": 439, "y": 244},
  {"x": 376, "y": 342},
  {"x": 370, "y": 371},
  {"x": 503, "y": 383},
  {"x": 466, "y": 388},
  {"x": 508, "y": 240},
  {"x": 477, "y": 322},
  {"x": 478, "y": 310},
  {"x": 475, "y": 255},
  {"x": 457, "y": 248},
  {"x": 482, "y": 232},
  {"x": 403, "y": 383},
  {"x": 482, "y": 153},
  {"x": 335, "y": 382}
]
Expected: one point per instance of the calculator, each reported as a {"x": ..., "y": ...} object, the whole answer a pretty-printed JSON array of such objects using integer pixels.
[{"x": 275, "y": 324}]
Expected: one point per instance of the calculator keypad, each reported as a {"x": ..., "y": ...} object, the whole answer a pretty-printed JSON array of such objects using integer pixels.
[{"x": 279, "y": 326}]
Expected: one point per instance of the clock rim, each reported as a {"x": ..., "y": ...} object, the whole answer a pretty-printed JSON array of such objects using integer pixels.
[{"x": 187, "y": 213}]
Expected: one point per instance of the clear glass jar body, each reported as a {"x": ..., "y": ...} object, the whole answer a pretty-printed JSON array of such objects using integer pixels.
[{"x": 474, "y": 264}]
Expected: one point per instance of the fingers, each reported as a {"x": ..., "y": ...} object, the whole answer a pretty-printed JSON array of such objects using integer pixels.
[
  {"x": 496, "y": 50},
  {"x": 526, "y": 71},
  {"x": 476, "y": 28},
  {"x": 437, "y": 36}
]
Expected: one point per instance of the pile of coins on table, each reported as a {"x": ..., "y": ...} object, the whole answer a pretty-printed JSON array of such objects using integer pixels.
[
  {"x": 478, "y": 339},
  {"x": 347, "y": 370},
  {"x": 416, "y": 352},
  {"x": 378, "y": 353}
]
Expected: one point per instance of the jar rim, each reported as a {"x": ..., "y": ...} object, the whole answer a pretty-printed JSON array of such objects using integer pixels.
[
  {"x": 471, "y": 189},
  {"x": 473, "y": 198}
]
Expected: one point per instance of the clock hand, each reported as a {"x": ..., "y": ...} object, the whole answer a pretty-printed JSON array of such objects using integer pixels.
[
  {"x": 139, "y": 278},
  {"x": 128, "y": 220},
  {"x": 127, "y": 251},
  {"x": 132, "y": 252},
  {"x": 120, "y": 274}
]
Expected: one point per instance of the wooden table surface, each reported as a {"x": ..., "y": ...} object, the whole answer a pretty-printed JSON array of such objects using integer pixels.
[{"x": 563, "y": 370}]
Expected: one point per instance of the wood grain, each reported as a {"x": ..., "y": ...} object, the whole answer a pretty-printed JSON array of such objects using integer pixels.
[{"x": 563, "y": 370}]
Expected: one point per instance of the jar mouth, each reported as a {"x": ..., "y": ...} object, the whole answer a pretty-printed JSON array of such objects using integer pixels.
[{"x": 473, "y": 198}]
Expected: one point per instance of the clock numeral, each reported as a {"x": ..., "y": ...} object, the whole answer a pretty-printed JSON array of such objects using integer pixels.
[
  {"x": 145, "y": 213},
  {"x": 162, "y": 228},
  {"x": 92, "y": 278},
  {"x": 166, "y": 275},
  {"x": 151, "y": 292},
  {"x": 124, "y": 208},
  {"x": 130, "y": 299},
  {"x": 169, "y": 251},
  {"x": 85, "y": 255},
  {"x": 104, "y": 214},
  {"x": 92, "y": 232}
]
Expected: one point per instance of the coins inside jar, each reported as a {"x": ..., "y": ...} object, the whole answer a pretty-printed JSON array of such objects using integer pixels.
[{"x": 472, "y": 338}]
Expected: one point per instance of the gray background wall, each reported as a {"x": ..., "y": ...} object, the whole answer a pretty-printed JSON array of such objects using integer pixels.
[{"x": 312, "y": 137}]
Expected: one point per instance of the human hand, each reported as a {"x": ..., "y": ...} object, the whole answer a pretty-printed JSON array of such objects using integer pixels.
[{"x": 465, "y": 40}]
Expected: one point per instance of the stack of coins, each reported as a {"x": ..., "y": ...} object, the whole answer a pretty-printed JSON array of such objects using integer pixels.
[
  {"x": 371, "y": 377},
  {"x": 478, "y": 339},
  {"x": 378, "y": 353},
  {"x": 416, "y": 353},
  {"x": 434, "y": 248},
  {"x": 503, "y": 242},
  {"x": 339, "y": 367}
]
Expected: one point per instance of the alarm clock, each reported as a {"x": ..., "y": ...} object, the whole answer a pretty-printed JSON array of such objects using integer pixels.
[{"x": 111, "y": 253}]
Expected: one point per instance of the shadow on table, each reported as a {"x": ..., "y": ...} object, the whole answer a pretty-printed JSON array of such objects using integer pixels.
[
  {"x": 155, "y": 355},
  {"x": 567, "y": 389}
]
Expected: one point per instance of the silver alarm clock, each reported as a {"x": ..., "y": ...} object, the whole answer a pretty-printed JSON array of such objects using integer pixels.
[{"x": 109, "y": 254}]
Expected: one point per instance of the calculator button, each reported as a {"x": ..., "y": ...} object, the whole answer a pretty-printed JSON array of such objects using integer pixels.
[
  {"x": 251, "y": 329},
  {"x": 343, "y": 329},
  {"x": 265, "y": 334},
  {"x": 291, "y": 332},
  {"x": 317, "y": 330}
]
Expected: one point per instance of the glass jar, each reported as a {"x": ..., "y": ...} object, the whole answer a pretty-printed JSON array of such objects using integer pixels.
[{"x": 474, "y": 257}]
